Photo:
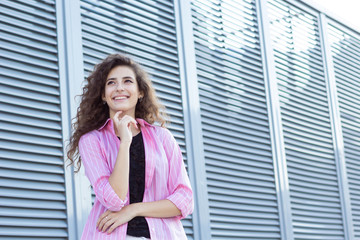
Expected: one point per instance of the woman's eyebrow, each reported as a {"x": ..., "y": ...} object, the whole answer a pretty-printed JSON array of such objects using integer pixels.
[{"x": 115, "y": 78}]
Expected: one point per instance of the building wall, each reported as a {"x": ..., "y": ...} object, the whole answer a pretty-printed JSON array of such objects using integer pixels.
[{"x": 263, "y": 97}]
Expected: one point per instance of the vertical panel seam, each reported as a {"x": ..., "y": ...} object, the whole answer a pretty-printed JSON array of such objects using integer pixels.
[
  {"x": 275, "y": 125},
  {"x": 73, "y": 58},
  {"x": 336, "y": 128},
  {"x": 192, "y": 118}
]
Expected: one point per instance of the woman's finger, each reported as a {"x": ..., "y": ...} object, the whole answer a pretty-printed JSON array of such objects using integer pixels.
[
  {"x": 104, "y": 224},
  {"x": 135, "y": 125},
  {"x": 129, "y": 120},
  {"x": 109, "y": 222},
  {"x": 117, "y": 116},
  {"x": 102, "y": 219},
  {"x": 112, "y": 227},
  {"x": 133, "y": 121}
]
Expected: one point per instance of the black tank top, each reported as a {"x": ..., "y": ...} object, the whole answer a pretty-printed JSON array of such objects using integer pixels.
[{"x": 138, "y": 226}]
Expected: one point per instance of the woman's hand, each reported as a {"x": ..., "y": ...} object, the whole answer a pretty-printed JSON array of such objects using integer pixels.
[
  {"x": 109, "y": 220},
  {"x": 122, "y": 126}
]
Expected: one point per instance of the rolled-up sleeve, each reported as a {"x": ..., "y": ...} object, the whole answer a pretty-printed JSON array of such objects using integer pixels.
[
  {"x": 98, "y": 172},
  {"x": 178, "y": 181}
]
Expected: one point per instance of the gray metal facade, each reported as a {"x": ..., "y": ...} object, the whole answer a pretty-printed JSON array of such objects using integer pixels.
[{"x": 264, "y": 99}]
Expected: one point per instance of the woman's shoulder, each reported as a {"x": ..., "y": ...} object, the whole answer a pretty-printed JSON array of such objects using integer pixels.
[
  {"x": 161, "y": 132},
  {"x": 93, "y": 135},
  {"x": 164, "y": 134},
  {"x": 149, "y": 126}
]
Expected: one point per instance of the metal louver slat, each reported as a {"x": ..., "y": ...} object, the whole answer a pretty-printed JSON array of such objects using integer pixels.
[
  {"x": 314, "y": 191},
  {"x": 146, "y": 30},
  {"x": 32, "y": 182},
  {"x": 46, "y": 9},
  {"x": 351, "y": 64},
  {"x": 345, "y": 44},
  {"x": 238, "y": 157}
]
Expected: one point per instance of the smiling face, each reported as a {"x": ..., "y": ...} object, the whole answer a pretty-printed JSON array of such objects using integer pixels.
[{"x": 121, "y": 91}]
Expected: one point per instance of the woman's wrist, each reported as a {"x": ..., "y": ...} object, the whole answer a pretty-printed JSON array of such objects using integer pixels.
[
  {"x": 136, "y": 209},
  {"x": 125, "y": 144}
]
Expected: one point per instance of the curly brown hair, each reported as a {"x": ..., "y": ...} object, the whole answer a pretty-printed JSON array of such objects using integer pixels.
[{"x": 92, "y": 113}]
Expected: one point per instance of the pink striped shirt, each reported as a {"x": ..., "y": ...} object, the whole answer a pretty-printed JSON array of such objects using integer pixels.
[{"x": 165, "y": 178}]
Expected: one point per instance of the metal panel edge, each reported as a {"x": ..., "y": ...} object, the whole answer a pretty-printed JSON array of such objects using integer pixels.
[
  {"x": 70, "y": 82},
  {"x": 336, "y": 128},
  {"x": 276, "y": 131},
  {"x": 69, "y": 180},
  {"x": 192, "y": 117}
]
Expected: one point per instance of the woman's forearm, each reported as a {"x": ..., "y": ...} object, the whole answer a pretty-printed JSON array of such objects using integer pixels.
[
  {"x": 158, "y": 209},
  {"x": 119, "y": 178},
  {"x": 108, "y": 221}
]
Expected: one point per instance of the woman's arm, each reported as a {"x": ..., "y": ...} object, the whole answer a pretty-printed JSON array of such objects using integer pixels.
[
  {"x": 98, "y": 172},
  {"x": 178, "y": 183},
  {"x": 108, "y": 221},
  {"x": 119, "y": 178},
  {"x": 110, "y": 187},
  {"x": 158, "y": 209}
]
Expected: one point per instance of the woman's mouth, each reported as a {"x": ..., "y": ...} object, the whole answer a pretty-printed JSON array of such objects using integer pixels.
[{"x": 120, "y": 98}]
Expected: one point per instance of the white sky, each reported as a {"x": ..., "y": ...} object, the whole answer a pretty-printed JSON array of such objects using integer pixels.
[{"x": 346, "y": 11}]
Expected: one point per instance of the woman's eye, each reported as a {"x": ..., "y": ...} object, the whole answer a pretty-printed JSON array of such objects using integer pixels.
[
  {"x": 128, "y": 81},
  {"x": 110, "y": 82}
]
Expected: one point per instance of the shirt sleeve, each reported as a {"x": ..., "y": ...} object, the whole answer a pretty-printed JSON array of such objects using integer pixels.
[
  {"x": 98, "y": 172},
  {"x": 178, "y": 181}
]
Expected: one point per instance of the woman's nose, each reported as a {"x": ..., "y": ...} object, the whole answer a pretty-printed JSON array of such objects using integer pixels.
[{"x": 120, "y": 86}]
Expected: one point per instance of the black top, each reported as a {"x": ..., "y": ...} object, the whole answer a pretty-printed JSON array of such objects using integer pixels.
[{"x": 138, "y": 226}]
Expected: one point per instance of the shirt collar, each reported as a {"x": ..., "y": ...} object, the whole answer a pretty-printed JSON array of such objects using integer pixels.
[
  {"x": 109, "y": 119},
  {"x": 141, "y": 122}
]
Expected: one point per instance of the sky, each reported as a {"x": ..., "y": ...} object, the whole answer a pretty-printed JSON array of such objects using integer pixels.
[{"x": 345, "y": 11}]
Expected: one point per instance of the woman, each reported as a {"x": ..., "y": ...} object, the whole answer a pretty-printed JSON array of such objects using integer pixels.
[{"x": 135, "y": 168}]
